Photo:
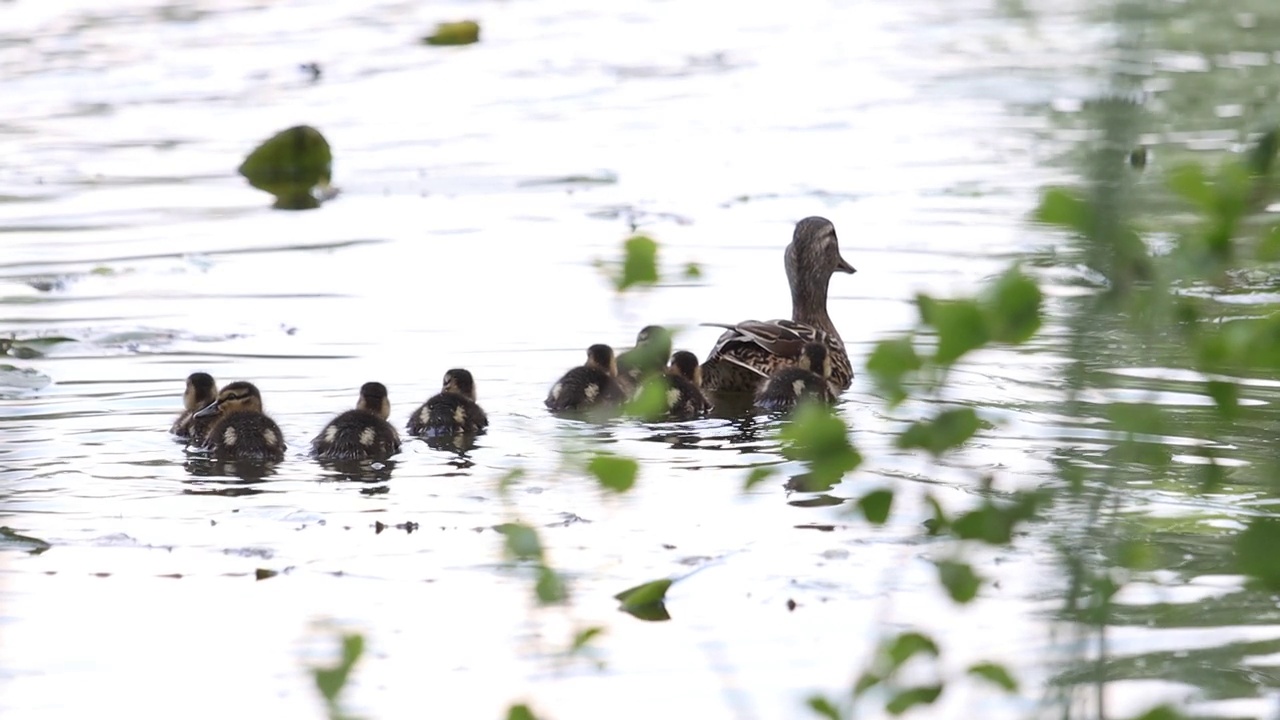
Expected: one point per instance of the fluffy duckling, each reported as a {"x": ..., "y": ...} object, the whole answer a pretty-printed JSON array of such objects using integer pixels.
[
  {"x": 592, "y": 384},
  {"x": 684, "y": 387},
  {"x": 201, "y": 392},
  {"x": 809, "y": 378},
  {"x": 360, "y": 434},
  {"x": 240, "y": 430},
  {"x": 648, "y": 357},
  {"x": 452, "y": 411},
  {"x": 749, "y": 350}
]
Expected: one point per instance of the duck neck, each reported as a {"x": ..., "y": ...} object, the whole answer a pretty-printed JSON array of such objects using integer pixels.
[{"x": 809, "y": 306}]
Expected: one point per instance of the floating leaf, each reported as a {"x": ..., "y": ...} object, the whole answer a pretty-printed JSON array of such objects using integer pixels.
[
  {"x": 330, "y": 681},
  {"x": 904, "y": 700},
  {"x": 960, "y": 580},
  {"x": 653, "y": 591},
  {"x": 1063, "y": 208},
  {"x": 12, "y": 540},
  {"x": 875, "y": 506},
  {"x": 951, "y": 428},
  {"x": 1226, "y": 395},
  {"x": 614, "y": 473},
  {"x": 820, "y": 438},
  {"x": 584, "y": 637},
  {"x": 463, "y": 32},
  {"x": 291, "y": 165},
  {"x": 692, "y": 271},
  {"x": 639, "y": 264},
  {"x": 961, "y": 326},
  {"x": 995, "y": 674}
]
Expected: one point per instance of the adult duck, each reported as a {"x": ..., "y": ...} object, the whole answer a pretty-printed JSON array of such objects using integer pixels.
[{"x": 753, "y": 350}]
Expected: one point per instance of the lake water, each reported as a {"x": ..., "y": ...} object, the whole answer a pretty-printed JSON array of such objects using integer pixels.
[{"x": 479, "y": 186}]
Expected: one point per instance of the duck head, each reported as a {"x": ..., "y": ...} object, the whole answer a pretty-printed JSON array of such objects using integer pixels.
[
  {"x": 201, "y": 391},
  {"x": 239, "y": 396},
  {"x": 811, "y": 259},
  {"x": 460, "y": 381},
  {"x": 373, "y": 398}
]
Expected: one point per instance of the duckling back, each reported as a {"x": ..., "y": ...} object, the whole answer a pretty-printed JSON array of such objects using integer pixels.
[
  {"x": 685, "y": 400},
  {"x": 246, "y": 435},
  {"x": 447, "y": 413},
  {"x": 356, "y": 435},
  {"x": 788, "y": 387},
  {"x": 583, "y": 387},
  {"x": 201, "y": 392}
]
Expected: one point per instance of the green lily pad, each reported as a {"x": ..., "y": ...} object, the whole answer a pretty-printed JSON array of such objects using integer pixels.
[
  {"x": 295, "y": 165},
  {"x": 12, "y": 540},
  {"x": 463, "y": 32},
  {"x": 646, "y": 601}
]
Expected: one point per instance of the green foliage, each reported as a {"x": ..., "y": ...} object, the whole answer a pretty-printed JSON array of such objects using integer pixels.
[
  {"x": 654, "y": 591},
  {"x": 820, "y": 438},
  {"x": 692, "y": 271},
  {"x": 905, "y": 699},
  {"x": 1163, "y": 712},
  {"x": 650, "y": 403},
  {"x": 463, "y": 32},
  {"x": 1013, "y": 306},
  {"x": 823, "y": 707},
  {"x": 994, "y": 524},
  {"x": 995, "y": 674},
  {"x": 1256, "y": 554},
  {"x": 875, "y": 506},
  {"x": 550, "y": 588},
  {"x": 960, "y": 325},
  {"x": 520, "y": 712},
  {"x": 950, "y": 429},
  {"x": 960, "y": 580},
  {"x": 759, "y": 475},
  {"x": 639, "y": 263},
  {"x": 522, "y": 541},
  {"x": 613, "y": 472},
  {"x": 291, "y": 165},
  {"x": 331, "y": 680},
  {"x": 583, "y": 638},
  {"x": 889, "y": 363}
]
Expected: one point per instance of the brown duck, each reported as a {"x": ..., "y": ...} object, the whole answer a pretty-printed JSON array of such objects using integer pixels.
[
  {"x": 807, "y": 380},
  {"x": 750, "y": 351}
]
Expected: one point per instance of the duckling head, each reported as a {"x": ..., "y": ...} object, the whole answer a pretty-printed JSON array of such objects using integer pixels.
[
  {"x": 373, "y": 398},
  {"x": 201, "y": 391},
  {"x": 601, "y": 356},
  {"x": 460, "y": 381},
  {"x": 239, "y": 396},
  {"x": 814, "y": 358},
  {"x": 686, "y": 365}
]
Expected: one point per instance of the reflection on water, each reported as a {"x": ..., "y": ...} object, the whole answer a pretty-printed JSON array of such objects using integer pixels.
[{"x": 127, "y": 232}]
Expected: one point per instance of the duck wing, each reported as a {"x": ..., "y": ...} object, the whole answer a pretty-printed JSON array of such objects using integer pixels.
[{"x": 784, "y": 338}]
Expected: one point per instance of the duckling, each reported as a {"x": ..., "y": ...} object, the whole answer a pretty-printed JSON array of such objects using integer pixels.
[
  {"x": 648, "y": 357},
  {"x": 240, "y": 430},
  {"x": 749, "y": 350},
  {"x": 360, "y": 434},
  {"x": 809, "y": 378},
  {"x": 684, "y": 387},
  {"x": 452, "y": 411},
  {"x": 200, "y": 393},
  {"x": 592, "y": 384}
]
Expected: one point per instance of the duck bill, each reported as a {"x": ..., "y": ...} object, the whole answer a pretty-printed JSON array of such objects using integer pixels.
[
  {"x": 207, "y": 411},
  {"x": 844, "y": 266}
]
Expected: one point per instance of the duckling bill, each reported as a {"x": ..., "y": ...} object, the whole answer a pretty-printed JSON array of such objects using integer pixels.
[
  {"x": 201, "y": 392},
  {"x": 592, "y": 384},
  {"x": 360, "y": 434},
  {"x": 452, "y": 411},
  {"x": 241, "y": 431}
]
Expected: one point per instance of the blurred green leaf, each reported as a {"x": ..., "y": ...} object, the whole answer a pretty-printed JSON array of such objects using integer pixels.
[
  {"x": 994, "y": 524},
  {"x": 1064, "y": 209},
  {"x": 330, "y": 681},
  {"x": 1013, "y": 307},
  {"x": 520, "y": 712},
  {"x": 1189, "y": 182},
  {"x": 614, "y": 473},
  {"x": 960, "y": 580},
  {"x": 1163, "y": 712},
  {"x": 692, "y": 271},
  {"x": 645, "y": 593},
  {"x": 759, "y": 475},
  {"x": 818, "y": 437},
  {"x": 584, "y": 637},
  {"x": 290, "y": 165},
  {"x": 866, "y": 681},
  {"x": 650, "y": 402},
  {"x": 522, "y": 541},
  {"x": 823, "y": 707},
  {"x": 1256, "y": 554},
  {"x": 961, "y": 326},
  {"x": 889, "y": 363},
  {"x": 639, "y": 264},
  {"x": 904, "y": 700},
  {"x": 906, "y": 646},
  {"x": 463, "y": 32},
  {"x": 1226, "y": 396},
  {"x": 550, "y": 587},
  {"x": 1269, "y": 245},
  {"x": 875, "y": 506},
  {"x": 995, "y": 674},
  {"x": 951, "y": 428}
]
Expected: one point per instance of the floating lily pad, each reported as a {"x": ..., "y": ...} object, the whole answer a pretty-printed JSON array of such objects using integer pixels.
[
  {"x": 22, "y": 378},
  {"x": 647, "y": 601},
  {"x": 463, "y": 32},
  {"x": 12, "y": 540},
  {"x": 295, "y": 165}
]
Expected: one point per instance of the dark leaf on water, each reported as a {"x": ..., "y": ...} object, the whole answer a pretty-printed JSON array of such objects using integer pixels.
[
  {"x": 292, "y": 165},
  {"x": 614, "y": 473},
  {"x": 463, "y": 32}
]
